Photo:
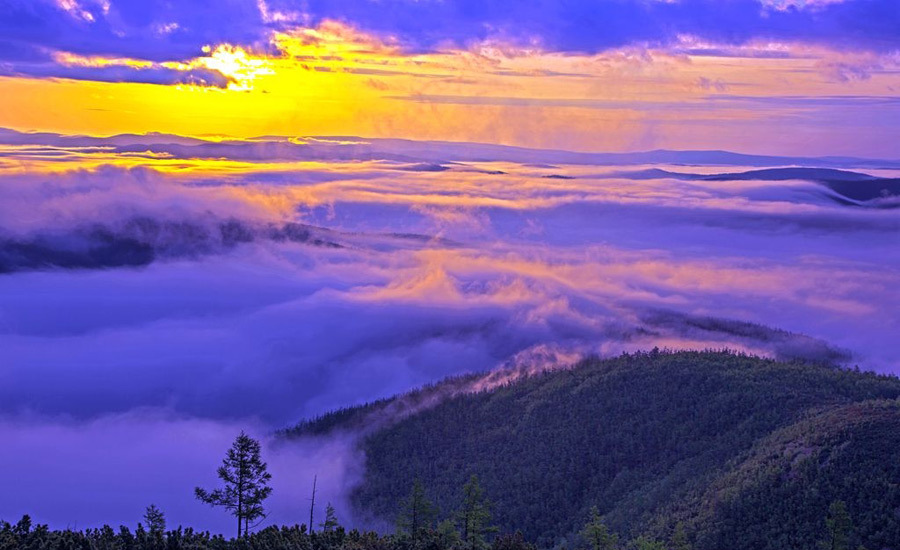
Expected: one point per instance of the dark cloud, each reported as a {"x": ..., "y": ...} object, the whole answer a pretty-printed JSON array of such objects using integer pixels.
[
  {"x": 150, "y": 75},
  {"x": 590, "y": 26},
  {"x": 130, "y": 29}
]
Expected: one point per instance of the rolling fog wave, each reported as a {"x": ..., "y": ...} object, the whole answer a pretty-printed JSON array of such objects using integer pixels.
[{"x": 224, "y": 285}]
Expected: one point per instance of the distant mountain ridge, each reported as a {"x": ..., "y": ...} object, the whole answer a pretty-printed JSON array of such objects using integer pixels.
[
  {"x": 849, "y": 188},
  {"x": 139, "y": 241},
  {"x": 412, "y": 151},
  {"x": 747, "y": 453}
]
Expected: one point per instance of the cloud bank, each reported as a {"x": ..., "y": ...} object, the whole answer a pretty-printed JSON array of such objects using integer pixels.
[{"x": 285, "y": 277}]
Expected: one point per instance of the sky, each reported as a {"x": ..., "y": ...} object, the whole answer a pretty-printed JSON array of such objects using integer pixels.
[
  {"x": 762, "y": 76},
  {"x": 235, "y": 215}
]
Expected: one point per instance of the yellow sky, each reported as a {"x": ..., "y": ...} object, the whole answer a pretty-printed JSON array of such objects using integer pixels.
[{"x": 334, "y": 80}]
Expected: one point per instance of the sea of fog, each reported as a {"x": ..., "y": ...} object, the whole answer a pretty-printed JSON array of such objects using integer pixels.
[{"x": 158, "y": 294}]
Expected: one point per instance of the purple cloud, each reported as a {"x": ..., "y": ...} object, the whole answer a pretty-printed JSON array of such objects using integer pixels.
[
  {"x": 158, "y": 30},
  {"x": 150, "y": 75}
]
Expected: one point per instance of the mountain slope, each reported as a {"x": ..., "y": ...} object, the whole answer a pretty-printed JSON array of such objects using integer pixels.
[
  {"x": 648, "y": 438},
  {"x": 774, "y": 498}
]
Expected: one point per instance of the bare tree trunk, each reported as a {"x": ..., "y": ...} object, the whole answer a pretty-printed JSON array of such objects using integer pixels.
[{"x": 312, "y": 504}]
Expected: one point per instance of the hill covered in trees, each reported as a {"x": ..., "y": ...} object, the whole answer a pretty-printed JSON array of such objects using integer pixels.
[{"x": 741, "y": 452}]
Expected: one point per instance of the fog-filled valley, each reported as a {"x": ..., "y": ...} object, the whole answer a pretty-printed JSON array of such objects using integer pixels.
[{"x": 160, "y": 293}]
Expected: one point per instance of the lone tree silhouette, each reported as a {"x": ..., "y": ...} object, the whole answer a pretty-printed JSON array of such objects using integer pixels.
[
  {"x": 156, "y": 520},
  {"x": 246, "y": 483}
]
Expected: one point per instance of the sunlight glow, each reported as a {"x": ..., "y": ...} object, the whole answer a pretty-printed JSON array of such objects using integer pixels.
[{"x": 334, "y": 79}]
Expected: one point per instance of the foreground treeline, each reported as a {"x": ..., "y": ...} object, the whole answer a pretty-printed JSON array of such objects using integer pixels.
[
  {"x": 595, "y": 536},
  {"x": 647, "y": 451},
  {"x": 417, "y": 528}
]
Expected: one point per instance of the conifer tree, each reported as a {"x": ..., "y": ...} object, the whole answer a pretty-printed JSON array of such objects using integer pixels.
[
  {"x": 246, "y": 483},
  {"x": 23, "y": 526},
  {"x": 417, "y": 513},
  {"x": 331, "y": 522},
  {"x": 155, "y": 519},
  {"x": 838, "y": 527},
  {"x": 597, "y": 533},
  {"x": 474, "y": 516},
  {"x": 446, "y": 535}
]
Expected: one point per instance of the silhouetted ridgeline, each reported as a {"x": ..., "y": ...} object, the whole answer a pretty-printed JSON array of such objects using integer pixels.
[
  {"x": 744, "y": 452},
  {"x": 141, "y": 241}
]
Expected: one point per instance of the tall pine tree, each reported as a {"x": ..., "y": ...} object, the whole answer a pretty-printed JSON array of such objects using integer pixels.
[
  {"x": 417, "y": 513},
  {"x": 156, "y": 520},
  {"x": 246, "y": 483},
  {"x": 474, "y": 516}
]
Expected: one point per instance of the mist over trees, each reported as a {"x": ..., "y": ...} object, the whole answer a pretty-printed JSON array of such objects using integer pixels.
[
  {"x": 816, "y": 464},
  {"x": 743, "y": 452}
]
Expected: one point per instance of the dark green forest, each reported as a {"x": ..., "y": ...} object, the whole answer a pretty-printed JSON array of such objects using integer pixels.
[
  {"x": 646, "y": 451},
  {"x": 741, "y": 452}
]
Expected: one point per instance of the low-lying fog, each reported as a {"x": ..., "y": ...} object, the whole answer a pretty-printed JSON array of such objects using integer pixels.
[{"x": 159, "y": 294}]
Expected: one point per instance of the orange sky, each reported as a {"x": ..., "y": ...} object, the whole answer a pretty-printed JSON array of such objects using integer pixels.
[{"x": 335, "y": 80}]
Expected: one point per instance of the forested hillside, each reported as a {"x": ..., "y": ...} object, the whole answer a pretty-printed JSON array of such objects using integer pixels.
[{"x": 745, "y": 452}]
